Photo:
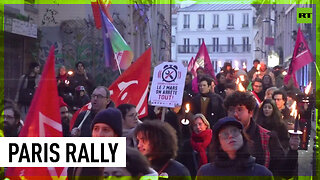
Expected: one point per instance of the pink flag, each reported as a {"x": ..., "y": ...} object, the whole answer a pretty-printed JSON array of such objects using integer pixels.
[
  {"x": 301, "y": 57},
  {"x": 203, "y": 60},
  {"x": 43, "y": 120}
]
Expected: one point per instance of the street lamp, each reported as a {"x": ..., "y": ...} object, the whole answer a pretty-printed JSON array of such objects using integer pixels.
[
  {"x": 264, "y": 52},
  {"x": 268, "y": 20}
]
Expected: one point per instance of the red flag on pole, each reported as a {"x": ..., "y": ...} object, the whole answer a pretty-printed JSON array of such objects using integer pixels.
[
  {"x": 43, "y": 120},
  {"x": 301, "y": 57},
  {"x": 203, "y": 60},
  {"x": 132, "y": 86},
  {"x": 76, "y": 114},
  {"x": 192, "y": 67},
  {"x": 104, "y": 4}
]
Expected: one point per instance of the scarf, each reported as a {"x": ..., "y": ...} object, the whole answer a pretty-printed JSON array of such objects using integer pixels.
[{"x": 199, "y": 143}]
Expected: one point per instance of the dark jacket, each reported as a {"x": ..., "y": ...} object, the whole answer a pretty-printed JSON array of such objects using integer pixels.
[
  {"x": 189, "y": 157},
  {"x": 86, "y": 126},
  {"x": 231, "y": 168},
  {"x": 251, "y": 72},
  {"x": 215, "y": 108},
  {"x": 219, "y": 89},
  {"x": 80, "y": 80},
  {"x": 171, "y": 168},
  {"x": 280, "y": 164}
]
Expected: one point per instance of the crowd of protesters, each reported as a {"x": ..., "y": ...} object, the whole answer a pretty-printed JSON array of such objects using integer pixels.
[{"x": 232, "y": 131}]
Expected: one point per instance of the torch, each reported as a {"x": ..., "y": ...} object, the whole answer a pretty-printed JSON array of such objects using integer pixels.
[
  {"x": 236, "y": 64},
  {"x": 244, "y": 66},
  {"x": 258, "y": 69},
  {"x": 70, "y": 73},
  {"x": 241, "y": 88},
  {"x": 185, "y": 121},
  {"x": 294, "y": 113}
]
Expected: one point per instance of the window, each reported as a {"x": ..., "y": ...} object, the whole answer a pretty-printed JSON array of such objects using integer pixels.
[
  {"x": 173, "y": 39},
  {"x": 215, "y": 21},
  {"x": 201, "y": 21},
  {"x": 245, "y": 22},
  {"x": 186, "y": 45},
  {"x": 245, "y": 44},
  {"x": 200, "y": 40},
  {"x": 230, "y": 43},
  {"x": 230, "y": 20},
  {"x": 174, "y": 22},
  {"x": 186, "y": 21},
  {"x": 215, "y": 44}
]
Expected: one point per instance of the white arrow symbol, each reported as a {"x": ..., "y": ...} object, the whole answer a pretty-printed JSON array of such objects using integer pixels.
[{"x": 45, "y": 120}]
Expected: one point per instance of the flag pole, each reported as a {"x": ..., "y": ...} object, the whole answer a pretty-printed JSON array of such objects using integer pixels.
[{"x": 116, "y": 58}]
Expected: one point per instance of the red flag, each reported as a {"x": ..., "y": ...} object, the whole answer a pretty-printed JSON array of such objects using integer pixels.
[
  {"x": 301, "y": 57},
  {"x": 132, "y": 86},
  {"x": 104, "y": 4},
  {"x": 43, "y": 120},
  {"x": 203, "y": 60},
  {"x": 76, "y": 114},
  {"x": 192, "y": 67}
]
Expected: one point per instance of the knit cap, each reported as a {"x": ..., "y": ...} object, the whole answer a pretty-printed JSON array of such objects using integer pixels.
[{"x": 111, "y": 117}]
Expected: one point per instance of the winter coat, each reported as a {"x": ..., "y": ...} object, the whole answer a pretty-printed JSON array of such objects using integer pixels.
[
  {"x": 280, "y": 164},
  {"x": 215, "y": 109},
  {"x": 232, "y": 168},
  {"x": 170, "y": 169}
]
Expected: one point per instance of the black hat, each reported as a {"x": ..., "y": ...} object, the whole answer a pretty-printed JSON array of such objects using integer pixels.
[
  {"x": 224, "y": 122},
  {"x": 111, "y": 117}
]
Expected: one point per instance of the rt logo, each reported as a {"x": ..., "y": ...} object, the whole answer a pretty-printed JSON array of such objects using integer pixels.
[{"x": 304, "y": 15}]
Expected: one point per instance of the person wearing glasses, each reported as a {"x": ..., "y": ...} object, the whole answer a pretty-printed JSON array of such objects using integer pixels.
[
  {"x": 266, "y": 147},
  {"x": 231, "y": 156},
  {"x": 257, "y": 90},
  {"x": 100, "y": 100},
  {"x": 10, "y": 117}
]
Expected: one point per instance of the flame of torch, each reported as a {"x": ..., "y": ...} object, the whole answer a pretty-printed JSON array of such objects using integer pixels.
[
  {"x": 70, "y": 73},
  {"x": 237, "y": 81},
  {"x": 244, "y": 66},
  {"x": 241, "y": 88},
  {"x": 236, "y": 64},
  {"x": 241, "y": 77},
  {"x": 307, "y": 90},
  {"x": 258, "y": 67},
  {"x": 284, "y": 73},
  {"x": 294, "y": 109},
  {"x": 185, "y": 121},
  {"x": 187, "y": 108}
]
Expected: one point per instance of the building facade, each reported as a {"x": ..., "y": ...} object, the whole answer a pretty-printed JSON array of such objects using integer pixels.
[
  {"x": 71, "y": 30},
  {"x": 277, "y": 29},
  {"x": 226, "y": 29}
]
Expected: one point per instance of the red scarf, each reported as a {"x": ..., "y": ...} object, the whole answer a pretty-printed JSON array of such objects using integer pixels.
[{"x": 200, "y": 142}]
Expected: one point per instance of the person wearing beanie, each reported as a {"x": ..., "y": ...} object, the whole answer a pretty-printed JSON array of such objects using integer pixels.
[
  {"x": 107, "y": 123},
  {"x": 193, "y": 153},
  {"x": 65, "y": 117},
  {"x": 230, "y": 153}
]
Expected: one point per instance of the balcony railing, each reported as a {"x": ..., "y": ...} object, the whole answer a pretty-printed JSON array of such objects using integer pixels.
[{"x": 238, "y": 48}]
